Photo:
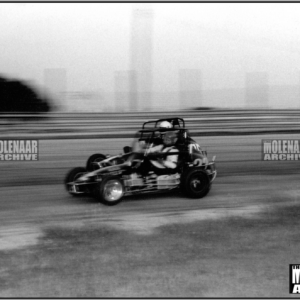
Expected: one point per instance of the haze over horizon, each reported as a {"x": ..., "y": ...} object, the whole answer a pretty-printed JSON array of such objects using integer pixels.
[{"x": 233, "y": 46}]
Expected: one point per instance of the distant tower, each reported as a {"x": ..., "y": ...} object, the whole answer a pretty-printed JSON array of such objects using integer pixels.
[
  {"x": 190, "y": 88},
  {"x": 257, "y": 89},
  {"x": 55, "y": 84},
  {"x": 141, "y": 59},
  {"x": 299, "y": 87}
]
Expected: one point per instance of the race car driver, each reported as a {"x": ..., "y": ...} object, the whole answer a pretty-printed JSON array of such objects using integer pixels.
[{"x": 167, "y": 146}]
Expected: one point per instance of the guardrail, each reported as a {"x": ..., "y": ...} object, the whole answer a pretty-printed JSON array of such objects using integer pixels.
[{"x": 106, "y": 125}]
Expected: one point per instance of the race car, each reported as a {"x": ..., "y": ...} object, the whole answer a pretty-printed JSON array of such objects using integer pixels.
[{"x": 109, "y": 178}]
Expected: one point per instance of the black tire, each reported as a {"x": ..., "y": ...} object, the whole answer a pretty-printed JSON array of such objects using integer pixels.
[
  {"x": 94, "y": 158},
  {"x": 195, "y": 183},
  {"x": 127, "y": 149},
  {"x": 103, "y": 189},
  {"x": 72, "y": 175}
]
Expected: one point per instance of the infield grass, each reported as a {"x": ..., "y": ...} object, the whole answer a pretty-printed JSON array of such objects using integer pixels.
[{"x": 230, "y": 257}]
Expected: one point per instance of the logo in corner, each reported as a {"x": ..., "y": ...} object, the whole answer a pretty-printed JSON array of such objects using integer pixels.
[{"x": 295, "y": 279}]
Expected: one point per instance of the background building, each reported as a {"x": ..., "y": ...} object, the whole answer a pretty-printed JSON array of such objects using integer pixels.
[
  {"x": 141, "y": 59},
  {"x": 257, "y": 90},
  {"x": 190, "y": 88},
  {"x": 123, "y": 90}
]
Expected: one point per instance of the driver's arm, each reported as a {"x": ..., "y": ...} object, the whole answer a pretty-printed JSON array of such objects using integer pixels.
[
  {"x": 138, "y": 146},
  {"x": 169, "y": 164},
  {"x": 171, "y": 160},
  {"x": 154, "y": 149}
]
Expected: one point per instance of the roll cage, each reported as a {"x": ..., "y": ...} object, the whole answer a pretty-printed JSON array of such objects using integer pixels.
[
  {"x": 175, "y": 122},
  {"x": 151, "y": 131},
  {"x": 153, "y": 136}
]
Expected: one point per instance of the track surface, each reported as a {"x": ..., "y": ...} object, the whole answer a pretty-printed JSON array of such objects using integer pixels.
[{"x": 33, "y": 197}]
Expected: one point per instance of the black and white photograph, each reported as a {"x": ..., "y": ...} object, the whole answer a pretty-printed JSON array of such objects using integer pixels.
[{"x": 149, "y": 149}]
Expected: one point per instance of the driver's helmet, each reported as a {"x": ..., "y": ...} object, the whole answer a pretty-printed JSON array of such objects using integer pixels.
[
  {"x": 162, "y": 125},
  {"x": 170, "y": 138},
  {"x": 165, "y": 124}
]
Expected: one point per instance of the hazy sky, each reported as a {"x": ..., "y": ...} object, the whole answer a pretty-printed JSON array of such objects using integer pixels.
[{"x": 92, "y": 41}]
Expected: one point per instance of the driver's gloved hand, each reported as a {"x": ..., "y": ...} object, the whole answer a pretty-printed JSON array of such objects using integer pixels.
[
  {"x": 156, "y": 156},
  {"x": 152, "y": 155},
  {"x": 160, "y": 156},
  {"x": 127, "y": 149}
]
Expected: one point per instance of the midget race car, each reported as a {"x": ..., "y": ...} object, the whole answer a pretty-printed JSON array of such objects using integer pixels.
[{"x": 109, "y": 178}]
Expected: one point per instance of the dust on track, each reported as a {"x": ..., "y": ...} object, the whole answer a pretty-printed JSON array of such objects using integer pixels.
[
  {"x": 33, "y": 197},
  {"x": 23, "y": 225}
]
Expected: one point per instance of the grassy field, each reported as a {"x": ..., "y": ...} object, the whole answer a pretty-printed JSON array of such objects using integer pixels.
[{"x": 230, "y": 257}]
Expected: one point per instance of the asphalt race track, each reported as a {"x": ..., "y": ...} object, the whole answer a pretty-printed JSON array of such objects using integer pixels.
[
  {"x": 33, "y": 196},
  {"x": 34, "y": 202}
]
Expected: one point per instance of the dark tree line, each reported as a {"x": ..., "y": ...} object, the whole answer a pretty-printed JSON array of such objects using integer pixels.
[{"x": 17, "y": 96}]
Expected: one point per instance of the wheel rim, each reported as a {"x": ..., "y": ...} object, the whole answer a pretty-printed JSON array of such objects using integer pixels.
[
  {"x": 113, "y": 190},
  {"x": 197, "y": 183}
]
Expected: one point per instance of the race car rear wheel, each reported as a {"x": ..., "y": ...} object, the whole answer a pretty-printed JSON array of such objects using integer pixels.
[
  {"x": 110, "y": 191},
  {"x": 72, "y": 176},
  {"x": 94, "y": 158},
  {"x": 195, "y": 183}
]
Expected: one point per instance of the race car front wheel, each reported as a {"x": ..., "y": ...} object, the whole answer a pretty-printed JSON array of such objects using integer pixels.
[
  {"x": 72, "y": 176},
  {"x": 110, "y": 191},
  {"x": 90, "y": 166},
  {"x": 195, "y": 183}
]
